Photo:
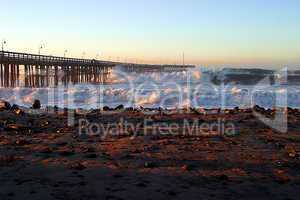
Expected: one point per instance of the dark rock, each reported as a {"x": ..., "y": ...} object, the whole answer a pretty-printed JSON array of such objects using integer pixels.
[
  {"x": 90, "y": 150},
  {"x": 223, "y": 177},
  {"x": 7, "y": 159},
  {"x": 280, "y": 145},
  {"x": 292, "y": 111},
  {"x": 187, "y": 167},
  {"x": 15, "y": 127},
  {"x": 66, "y": 110},
  {"x": 36, "y": 105},
  {"x": 281, "y": 177},
  {"x": 120, "y": 107},
  {"x": 106, "y": 108},
  {"x": 15, "y": 108},
  {"x": 172, "y": 193},
  {"x": 55, "y": 109},
  {"x": 4, "y": 105},
  {"x": 77, "y": 166},
  {"x": 67, "y": 153},
  {"x": 118, "y": 176},
  {"x": 230, "y": 111},
  {"x": 61, "y": 143},
  {"x": 82, "y": 183},
  {"x": 92, "y": 155},
  {"x": 11, "y": 194},
  {"x": 46, "y": 150},
  {"x": 141, "y": 184},
  {"x": 22, "y": 142},
  {"x": 258, "y": 109},
  {"x": 149, "y": 165}
]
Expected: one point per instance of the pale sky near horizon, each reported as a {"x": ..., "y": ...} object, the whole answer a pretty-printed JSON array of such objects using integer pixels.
[{"x": 157, "y": 31}]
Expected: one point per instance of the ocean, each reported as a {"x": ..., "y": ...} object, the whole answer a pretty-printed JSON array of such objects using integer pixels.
[{"x": 153, "y": 89}]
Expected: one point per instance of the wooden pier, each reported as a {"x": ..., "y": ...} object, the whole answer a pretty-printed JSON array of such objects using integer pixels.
[
  {"x": 31, "y": 70},
  {"x": 42, "y": 71}
]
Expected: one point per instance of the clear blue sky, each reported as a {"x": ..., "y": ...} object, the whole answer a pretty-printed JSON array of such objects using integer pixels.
[{"x": 208, "y": 31}]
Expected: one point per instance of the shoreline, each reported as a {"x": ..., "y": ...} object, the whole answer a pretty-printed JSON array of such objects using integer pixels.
[{"x": 121, "y": 107}]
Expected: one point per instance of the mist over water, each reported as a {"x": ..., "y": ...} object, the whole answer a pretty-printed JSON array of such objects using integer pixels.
[{"x": 174, "y": 89}]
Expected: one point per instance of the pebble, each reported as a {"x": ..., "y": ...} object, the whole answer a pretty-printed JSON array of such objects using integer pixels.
[
  {"x": 7, "y": 159},
  {"x": 291, "y": 151},
  {"x": 187, "y": 167},
  {"x": 22, "y": 142},
  {"x": 46, "y": 150},
  {"x": 36, "y": 105},
  {"x": 149, "y": 165},
  {"x": 281, "y": 177},
  {"x": 77, "y": 166}
]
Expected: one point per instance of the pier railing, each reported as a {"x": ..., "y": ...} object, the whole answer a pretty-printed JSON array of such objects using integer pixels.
[
  {"x": 7, "y": 57},
  {"x": 26, "y": 58}
]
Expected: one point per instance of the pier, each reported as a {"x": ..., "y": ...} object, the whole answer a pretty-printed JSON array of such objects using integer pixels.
[
  {"x": 32, "y": 70},
  {"x": 141, "y": 68}
]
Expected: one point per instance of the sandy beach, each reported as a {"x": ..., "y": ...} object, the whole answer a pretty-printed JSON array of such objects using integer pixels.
[{"x": 41, "y": 157}]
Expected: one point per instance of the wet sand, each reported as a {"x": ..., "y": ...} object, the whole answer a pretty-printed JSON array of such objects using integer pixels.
[{"x": 42, "y": 158}]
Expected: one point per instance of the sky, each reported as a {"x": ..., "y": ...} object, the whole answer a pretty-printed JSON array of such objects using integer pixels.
[{"x": 252, "y": 32}]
